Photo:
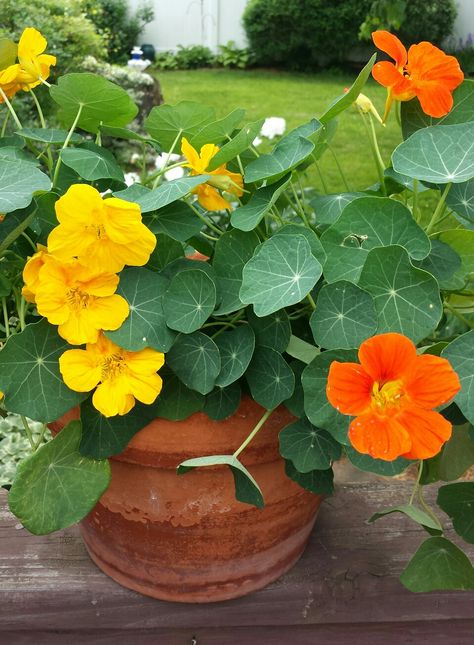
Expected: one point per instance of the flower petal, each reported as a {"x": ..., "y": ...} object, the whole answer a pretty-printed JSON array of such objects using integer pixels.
[
  {"x": 348, "y": 387},
  {"x": 428, "y": 432},
  {"x": 145, "y": 361},
  {"x": 387, "y": 357},
  {"x": 81, "y": 205},
  {"x": 426, "y": 62},
  {"x": 79, "y": 328},
  {"x": 107, "y": 313},
  {"x": 145, "y": 388},
  {"x": 210, "y": 199},
  {"x": 431, "y": 382},
  {"x": 80, "y": 370},
  {"x": 435, "y": 99},
  {"x": 208, "y": 151},
  {"x": 391, "y": 45},
  {"x": 113, "y": 397},
  {"x": 191, "y": 155},
  {"x": 380, "y": 437},
  {"x": 386, "y": 74},
  {"x": 122, "y": 220}
]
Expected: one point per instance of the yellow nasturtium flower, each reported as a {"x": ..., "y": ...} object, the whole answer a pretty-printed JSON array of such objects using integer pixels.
[
  {"x": 33, "y": 65},
  {"x": 106, "y": 234},
  {"x": 31, "y": 273},
  {"x": 79, "y": 299},
  {"x": 118, "y": 375},
  {"x": 208, "y": 195}
]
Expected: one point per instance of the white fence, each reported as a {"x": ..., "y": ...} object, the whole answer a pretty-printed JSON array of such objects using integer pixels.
[{"x": 214, "y": 22}]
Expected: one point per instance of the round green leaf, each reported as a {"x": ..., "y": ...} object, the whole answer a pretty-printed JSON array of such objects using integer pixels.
[
  {"x": 248, "y": 216},
  {"x": 219, "y": 130},
  {"x": 344, "y": 316},
  {"x": 438, "y": 564},
  {"x": 167, "y": 123},
  {"x": 462, "y": 242},
  {"x": 406, "y": 299},
  {"x": 461, "y": 200},
  {"x": 438, "y": 154},
  {"x": 313, "y": 240},
  {"x": 317, "y": 407},
  {"x": 377, "y": 466},
  {"x": 460, "y": 353},
  {"x": 319, "y": 482},
  {"x": 442, "y": 262},
  {"x": 233, "y": 250},
  {"x": 49, "y": 135},
  {"x": 57, "y": 486},
  {"x": 176, "y": 220},
  {"x": 189, "y": 300},
  {"x": 457, "y": 500},
  {"x": 281, "y": 273},
  {"x": 101, "y": 101},
  {"x": 167, "y": 193},
  {"x": 286, "y": 155},
  {"x": 271, "y": 331},
  {"x": 8, "y": 53},
  {"x": 145, "y": 325},
  {"x": 364, "y": 224},
  {"x": 30, "y": 377},
  {"x": 196, "y": 361},
  {"x": 18, "y": 183},
  {"x": 270, "y": 378},
  {"x": 236, "y": 348},
  {"x": 242, "y": 140},
  {"x": 454, "y": 459},
  {"x": 176, "y": 401},
  {"x": 308, "y": 447},
  {"x": 328, "y": 207},
  {"x": 222, "y": 402},
  {"x": 166, "y": 251},
  {"x": 92, "y": 162}
]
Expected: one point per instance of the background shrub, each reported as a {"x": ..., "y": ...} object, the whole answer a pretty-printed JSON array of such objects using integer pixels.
[
  {"x": 193, "y": 57},
  {"x": 305, "y": 34},
  {"x": 117, "y": 26}
]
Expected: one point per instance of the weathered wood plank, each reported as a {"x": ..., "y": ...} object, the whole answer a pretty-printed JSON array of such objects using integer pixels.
[{"x": 346, "y": 580}]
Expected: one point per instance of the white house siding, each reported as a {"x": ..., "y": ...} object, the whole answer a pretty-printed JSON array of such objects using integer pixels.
[
  {"x": 194, "y": 22},
  {"x": 215, "y": 22}
]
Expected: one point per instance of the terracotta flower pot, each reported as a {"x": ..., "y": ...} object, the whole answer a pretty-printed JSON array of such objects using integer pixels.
[{"x": 185, "y": 538}]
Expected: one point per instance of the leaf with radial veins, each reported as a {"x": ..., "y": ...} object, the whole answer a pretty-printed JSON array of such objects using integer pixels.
[
  {"x": 319, "y": 482},
  {"x": 438, "y": 564},
  {"x": 281, "y": 273},
  {"x": 364, "y": 224},
  {"x": 271, "y": 331},
  {"x": 442, "y": 262},
  {"x": 270, "y": 378},
  {"x": 236, "y": 348},
  {"x": 344, "y": 316},
  {"x": 406, "y": 299},
  {"x": 248, "y": 216},
  {"x": 92, "y": 162},
  {"x": 189, "y": 300},
  {"x": 30, "y": 377},
  {"x": 177, "y": 220},
  {"x": 176, "y": 401},
  {"x": 377, "y": 466},
  {"x": 57, "y": 486},
  {"x": 48, "y": 135},
  {"x": 218, "y": 131},
  {"x": 328, "y": 207},
  {"x": 145, "y": 325},
  {"x": 167, "y": 122},
  {"x": 237, "y": 145},
  {"x": 286, "y": 155},
  {"x": 167, "y": 193},
  {"x": 462, "y": 242},
  {"x": 460, "y": 353},
  {"x": 413, "y": 117},
  {"x": 18, "y": 183},
  {"x": 439, "y": 154},
  {"x": 308, "y": 447},
  {"x": 311, "y": 237},
  {"x": 103, "y": 102},
  {"x": 222, "y": 402},
  {"x": 195, "y": 359},
  {"x": 461, "y": 200}
]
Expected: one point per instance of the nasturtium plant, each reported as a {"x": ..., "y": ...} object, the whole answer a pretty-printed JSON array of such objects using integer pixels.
[{"x": 127, "y": 299}]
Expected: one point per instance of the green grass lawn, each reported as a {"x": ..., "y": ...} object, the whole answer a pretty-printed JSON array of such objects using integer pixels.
[{"x": 297, "y": 98}]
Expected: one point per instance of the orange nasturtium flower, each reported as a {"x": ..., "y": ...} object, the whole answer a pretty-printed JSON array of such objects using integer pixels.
[
  {"x": 80, "y": 300},
  {"x": 425, "y": 71},
  {"x": 106, "y": 234},
  {"x": 208, "y": 195},
  {"x": 31, "y": 273},
  {"x": 119, "y": 376},
  {"x": 33, "y": 66},
  {"x": 392, "y": 393}
]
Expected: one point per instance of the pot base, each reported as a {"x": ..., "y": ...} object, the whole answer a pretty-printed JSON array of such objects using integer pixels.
[{"x": 266, "y": 567}]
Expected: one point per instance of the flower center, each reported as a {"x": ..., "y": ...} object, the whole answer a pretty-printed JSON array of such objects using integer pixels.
[
  {"x": 387, "y": 396},
  {"x": 77, "y": 299},
  {"x": 112, "y": 367}
]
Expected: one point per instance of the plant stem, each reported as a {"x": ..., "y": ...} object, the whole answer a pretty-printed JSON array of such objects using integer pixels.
[
  {"x": 426, "y": 508},
  {"x": 6, "y": 317},
  {"x": 168, "y": 157},
  {"x": 374, "y": 146},
  {"x": 10, "y": 107},
  {"x": 230, "y": 323},
  {"x": 28, "y": 432},
  {"x": 439, "y": 209},
  {"x": 417, "y": 483},
  {"x": 5, "y": 123},
  {"x": 339, "y": 167},
  {"x": 458, "y": 315},
  {"x": 415, "y": 213},
  {"x": 301, "y": 212},
  {"x": 66, "y": 142},
  {"x": 253, "y": 433},
  {"x": 321, "y": 178},
  {"x": 204, "y": 219},
  {"x": 311, "y": 301},
  {"x": 41, "y": 437},
  {"x": 38, "y": 109}
]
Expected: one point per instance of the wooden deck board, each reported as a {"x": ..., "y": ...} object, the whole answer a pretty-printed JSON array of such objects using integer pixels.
[{"x": 345, "y": 587}]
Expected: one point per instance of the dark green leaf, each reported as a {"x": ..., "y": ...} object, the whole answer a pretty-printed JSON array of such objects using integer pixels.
[
  {"x": 176, "y": 401},
  {"x": 29, "y": 374},
  {"x": 270, "y": 378},
  {"x": 344, "y": 316},
  {"x": 196, "y": 361},
  {"x": 438, "y": 564},
  {"x": 311, "y": 237},
  {"x": 222, "y": 402},
  {"x": 442, "y": 261},
  {"x": 176, "y": 220},
  {"x": 286, "y": 155},
  {"x": 145, "y": 325},
  {"x": 406, "y": 299},
  {"x": 45, "y": 215},
  {"x": 8, "y": 53},
  {"x": 218, "y": 131},
  {"x": 295, "y": 404},
  {"x": 103, "y": 102},
  {"x": 271, "y": 331},
  {"x": 328, "y": 207},
  {"x": 19, "y": 181},
  {"x": 248, "y": 216},
  {"x": 166, "y": 251},
  {"x": 457, "y": 500},
  {"x": 462, "y": 242},
  {"x": 48, "y": 135},
  {"x": 189, "y": 300},
  {"x": 237, "y": 145},
  {"x": 414, "y": 513},
  {"x": 308, "y": 447},
  {"x": 319, "y": 482},
  {"x": 92, "y": 162},
  {"x": 377, "y": 466},
  {"x": 453, "y": 461},
  {"x": 167, "y": 193},
  {"x": 461, "y": 200},
  {"x": 246, "y": 488},
  {"x": 460, "y": 353},
  {"x": 236, "y": 348},
  {"x": 169, "y": 123},
  {"x": 57, "y": 486}
]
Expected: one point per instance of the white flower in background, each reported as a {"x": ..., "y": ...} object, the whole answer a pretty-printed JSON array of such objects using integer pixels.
[
  {"x": 274, "y": 126},
  {"x": 163, "y": 158},
  {"x": 257, "y": 141},
  {"x": 174, "y": 173},
  {"x": 135, "y": 158},
  {"x": 131, "y": 178}
]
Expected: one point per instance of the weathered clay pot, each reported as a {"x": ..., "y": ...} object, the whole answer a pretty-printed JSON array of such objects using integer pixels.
[{"x": 185, "y": 538}]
